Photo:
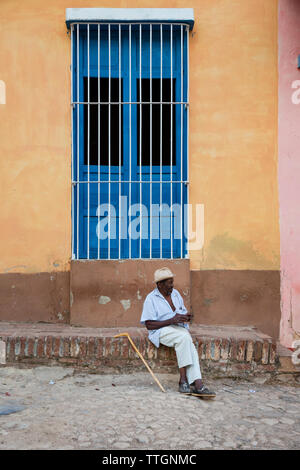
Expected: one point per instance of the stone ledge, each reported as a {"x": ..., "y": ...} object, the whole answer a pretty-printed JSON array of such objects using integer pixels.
[{"x": 222, "y": 350}]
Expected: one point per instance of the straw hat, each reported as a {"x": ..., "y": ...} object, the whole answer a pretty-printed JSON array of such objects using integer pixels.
[{"x": 162, "y": 274}]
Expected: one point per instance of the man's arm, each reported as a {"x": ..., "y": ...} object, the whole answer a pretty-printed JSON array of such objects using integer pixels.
[{"x": 156, "y": 325}]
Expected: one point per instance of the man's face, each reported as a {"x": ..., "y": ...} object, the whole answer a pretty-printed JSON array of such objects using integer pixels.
[{"x": 168, "y": 285}]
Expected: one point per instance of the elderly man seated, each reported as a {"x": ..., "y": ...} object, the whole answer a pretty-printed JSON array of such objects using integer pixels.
[{"x": 166, "y": 319}]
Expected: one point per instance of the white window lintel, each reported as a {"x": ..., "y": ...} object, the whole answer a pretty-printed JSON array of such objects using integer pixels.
[{"x": 130, "y": 15}]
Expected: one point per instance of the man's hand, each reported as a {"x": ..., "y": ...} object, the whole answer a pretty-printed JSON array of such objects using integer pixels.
[{"x": 178, "y": 318}]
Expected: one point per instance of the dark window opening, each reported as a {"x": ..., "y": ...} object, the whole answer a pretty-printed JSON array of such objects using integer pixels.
[
  {"x": 158, "y": 139},
  {"x": 115, "y": 122}
]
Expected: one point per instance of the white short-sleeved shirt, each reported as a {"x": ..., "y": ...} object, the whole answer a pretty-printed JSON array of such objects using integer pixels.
[{"x": 157, "y": 308}]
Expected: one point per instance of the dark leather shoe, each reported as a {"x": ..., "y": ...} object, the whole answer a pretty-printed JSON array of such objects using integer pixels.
[
  {"x": 184, "y": 388},
  {"x": 203, "y": 392}
]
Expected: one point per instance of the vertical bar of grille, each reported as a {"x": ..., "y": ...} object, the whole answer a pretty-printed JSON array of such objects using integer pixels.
[
  {"x": 98, "y": 52},
  {"x": 72, "y": 144},
  {"x": 181, "y": 139},
  {"x": 109, "y": 128},
  {"x": 140, "y": 149},
  {"x": 88, "y": 149},
  {"x": 160, "y": 144},
  {"x": 77, "y": 146},
  {"x": 150, "y": 141},
  {"x": 120, "y": 139},
  {"x": 130, "y": 177},
  {"x": 171, "y": 137},
  {"x": 188, "y": 101}
]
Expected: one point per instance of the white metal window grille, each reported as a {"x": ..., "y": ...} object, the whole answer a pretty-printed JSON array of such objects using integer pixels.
[{"x": 130, "y": 103}]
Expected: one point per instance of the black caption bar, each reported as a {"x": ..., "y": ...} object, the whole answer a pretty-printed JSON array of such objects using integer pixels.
[{"x": 132, "y": 459}]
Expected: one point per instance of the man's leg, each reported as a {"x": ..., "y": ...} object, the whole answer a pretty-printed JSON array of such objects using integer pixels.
[
  {"x": 187, "y": 356},
  {"x": 182, "y": 373}
]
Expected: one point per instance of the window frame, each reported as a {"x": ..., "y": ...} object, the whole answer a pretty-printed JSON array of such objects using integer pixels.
[{"x": 166, "y": 170}]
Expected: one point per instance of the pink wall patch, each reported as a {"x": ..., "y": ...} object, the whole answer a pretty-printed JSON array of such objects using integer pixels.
[{"x": 289, "y": 166}]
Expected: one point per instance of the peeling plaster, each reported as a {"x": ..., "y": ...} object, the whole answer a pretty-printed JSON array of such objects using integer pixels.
[
  {"x": 2, "y": 92},
  {"x": 286, "y": 305},
  {"x": 139, "y": 295},
  {"x": 126, "y": 304},
  {"x": 103, "y": 299},
  {"x": 14, "y": 267},
  {"x": 142, "y": 275},
  {"x": 2, "y": 352},
  {"x": 208, "y": 301},
  {"x": 225, "y": 251}
]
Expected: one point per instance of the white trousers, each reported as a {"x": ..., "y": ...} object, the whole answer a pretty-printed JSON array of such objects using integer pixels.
[{"x": 187, "y": 356}]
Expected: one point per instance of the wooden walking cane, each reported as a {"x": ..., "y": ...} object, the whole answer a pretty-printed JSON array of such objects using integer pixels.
[{"x": 139, "y": 354}]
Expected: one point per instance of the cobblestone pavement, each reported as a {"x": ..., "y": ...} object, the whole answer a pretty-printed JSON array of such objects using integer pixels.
[{"x": 60, "y": 409}]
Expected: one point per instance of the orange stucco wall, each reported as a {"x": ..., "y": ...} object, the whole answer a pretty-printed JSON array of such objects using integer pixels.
[{"x": 233, "y": 132}]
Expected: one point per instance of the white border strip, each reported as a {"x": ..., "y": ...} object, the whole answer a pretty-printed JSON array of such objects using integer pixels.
[{"x": 119, "y": 15}]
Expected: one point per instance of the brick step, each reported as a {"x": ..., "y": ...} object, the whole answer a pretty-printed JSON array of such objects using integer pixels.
[
  {"x": 222, "y": 349},
  {"x": 286, "y": 362}
]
